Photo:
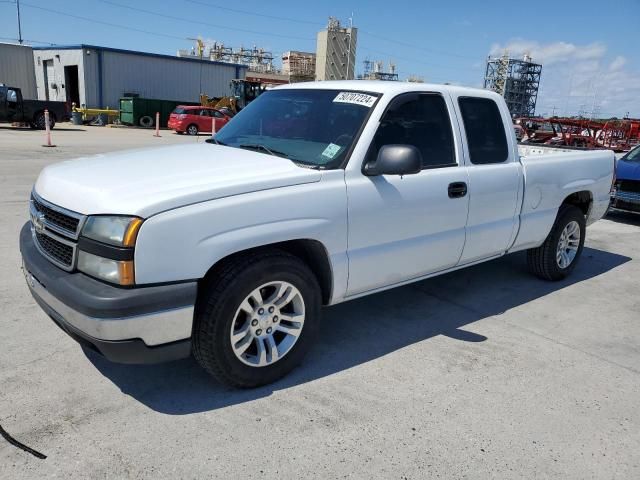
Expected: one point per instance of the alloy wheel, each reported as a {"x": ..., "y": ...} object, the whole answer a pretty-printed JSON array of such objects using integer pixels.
[
  {"x": 267, "y": 324},
  {"x": 568, "y": 244}
]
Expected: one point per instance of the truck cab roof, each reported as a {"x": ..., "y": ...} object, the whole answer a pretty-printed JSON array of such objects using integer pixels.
[{"x": 392, "y": 88}]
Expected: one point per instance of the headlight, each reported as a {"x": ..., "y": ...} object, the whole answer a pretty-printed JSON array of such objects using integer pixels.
[
  {"x": 115, "y": 230},
  {"x": 114, "y": 271},
  {"x": 105, "y": 248}
]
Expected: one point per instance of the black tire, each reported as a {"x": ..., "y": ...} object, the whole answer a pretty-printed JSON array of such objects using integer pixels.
[
  {"x": 39, "y": 122},
  {"x": 192, "y": 129},
  {"x": 542, "y": 260},
  {"x": 146, "y": 121},
  {"x": 219, "y": 300}
]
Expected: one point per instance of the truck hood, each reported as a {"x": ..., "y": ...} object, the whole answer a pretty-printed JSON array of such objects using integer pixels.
[
  {"x": 148, "y": 181},
  {"x": 628, "y": 170}
]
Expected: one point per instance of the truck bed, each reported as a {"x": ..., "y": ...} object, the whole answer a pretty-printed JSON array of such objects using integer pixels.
[{"x": 550, "y": 175}]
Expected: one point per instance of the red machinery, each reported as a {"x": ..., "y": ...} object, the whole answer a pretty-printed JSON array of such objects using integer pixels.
[{"x": 617, "y": 135}]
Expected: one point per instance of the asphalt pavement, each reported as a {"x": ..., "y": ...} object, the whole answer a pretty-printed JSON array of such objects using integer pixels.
[{"x": 487, "y": 372}]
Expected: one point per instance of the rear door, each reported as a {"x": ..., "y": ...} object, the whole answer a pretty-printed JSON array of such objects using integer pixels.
[
  {"x": 402, "y": 228},
  {"x": 495, "y": 177}
]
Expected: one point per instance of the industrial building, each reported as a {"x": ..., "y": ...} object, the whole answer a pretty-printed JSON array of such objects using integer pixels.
[
  {"x": 16, "y": 68},
  {"x": 374, "y": 70},
  {"x": 517, "y": 81},
  {"x": 336, "y": 52},
  {"x": 299, "y": 66},
  {"x": 98, "y": 76}
]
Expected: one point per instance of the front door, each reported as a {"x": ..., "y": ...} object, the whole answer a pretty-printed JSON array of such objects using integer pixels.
[
  {"x": 204, "y": 120},
  {"x": 402, "y": 228}
]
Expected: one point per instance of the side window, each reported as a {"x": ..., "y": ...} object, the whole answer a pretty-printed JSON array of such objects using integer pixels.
[
  {"x": 485, "y": 130},
  {"x": 421, "y": 120},
  {"x": 203, "y": 113},
  {"x": 217, "y": 114},
  {"x": 12, "y": 96}
]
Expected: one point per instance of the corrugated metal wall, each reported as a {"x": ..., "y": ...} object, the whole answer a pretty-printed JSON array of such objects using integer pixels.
[
  {"x": 16, "y": 68},
  {"x": 163, "y": 78},
  {"x": 149, "y": 76}
]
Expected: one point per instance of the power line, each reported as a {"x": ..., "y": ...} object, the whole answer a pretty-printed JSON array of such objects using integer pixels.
[
  {"x": 255, "y": 14},
  {"x": 13, "y": 39},
  {"x": 412, "y": 60},
  {"x": 101, "y": 22},
  {"x": 189, "y": 20},
  {"x": 410, "y": 45}
]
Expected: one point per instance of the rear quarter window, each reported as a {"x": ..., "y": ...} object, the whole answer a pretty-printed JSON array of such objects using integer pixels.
[
  {"x": 485, "y": 130},
  {"x": 180, "y": 111}
]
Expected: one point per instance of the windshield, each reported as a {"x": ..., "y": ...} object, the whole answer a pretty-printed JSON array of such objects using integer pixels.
[
  {"x": 312, "y": 127},
  {"x": 633, "y": 155}
]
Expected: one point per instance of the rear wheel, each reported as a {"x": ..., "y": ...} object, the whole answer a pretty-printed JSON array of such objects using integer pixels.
[
  {"x": 256, "y": 319},
  {"x": 192, "y": 129},
  {"x": 39, "y": 121},
  {"x": 556, "y": 258}
]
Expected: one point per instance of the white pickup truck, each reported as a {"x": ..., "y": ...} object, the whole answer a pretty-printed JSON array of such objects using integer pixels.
[{"x": 315, "y": 194}]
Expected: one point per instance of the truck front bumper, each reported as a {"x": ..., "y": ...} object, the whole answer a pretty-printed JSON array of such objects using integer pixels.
[
  {"x": 126, "y": 325},
  {"x": 625, "y": 201}
]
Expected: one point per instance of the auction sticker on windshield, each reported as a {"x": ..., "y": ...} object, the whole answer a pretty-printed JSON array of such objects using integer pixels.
[
  {"x": 331, "y": 150},
  {"x": 356, "y": 98}
]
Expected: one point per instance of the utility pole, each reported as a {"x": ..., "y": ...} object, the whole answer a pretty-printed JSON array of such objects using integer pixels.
[
  {"x": 349, "y": 53},
  {"x": 19, "y": 23},
  {"x": 200, "y": 44}
]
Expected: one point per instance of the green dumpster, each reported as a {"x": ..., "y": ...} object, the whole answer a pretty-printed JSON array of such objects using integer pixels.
[{"x": 141, "y": 112}]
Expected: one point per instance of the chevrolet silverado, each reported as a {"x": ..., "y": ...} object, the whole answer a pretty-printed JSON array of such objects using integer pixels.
[{"x": 314, "y": 194}]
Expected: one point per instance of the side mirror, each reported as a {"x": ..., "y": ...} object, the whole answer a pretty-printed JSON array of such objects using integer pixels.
[{"x": 395, "y": 160}]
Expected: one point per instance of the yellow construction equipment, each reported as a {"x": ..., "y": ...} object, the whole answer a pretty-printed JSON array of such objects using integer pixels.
[
  {"x": 89, "y": 113},
  {"x": 243, "y": 93}
]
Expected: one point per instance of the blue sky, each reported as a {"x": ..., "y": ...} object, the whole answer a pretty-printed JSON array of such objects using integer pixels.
[{"x": 590, "y": 53}]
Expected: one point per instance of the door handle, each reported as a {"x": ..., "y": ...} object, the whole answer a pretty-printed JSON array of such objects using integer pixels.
[{"x": 457, "y": 189}]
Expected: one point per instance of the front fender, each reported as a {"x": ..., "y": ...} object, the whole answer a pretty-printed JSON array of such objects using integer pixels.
[{"x": 184, "y": 243}]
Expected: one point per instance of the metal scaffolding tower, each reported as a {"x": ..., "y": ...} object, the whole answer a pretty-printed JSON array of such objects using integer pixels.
[
  {"x": 257, "y": 59},
  {"x": 516, "y": 80},
  {"x": 374, "y": 70}
]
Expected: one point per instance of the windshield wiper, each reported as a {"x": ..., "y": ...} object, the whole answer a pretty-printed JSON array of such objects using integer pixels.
[{"x": 259, "y": 146}]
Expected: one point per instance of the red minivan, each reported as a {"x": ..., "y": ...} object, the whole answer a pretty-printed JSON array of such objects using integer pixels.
[{"x": 195, "y": 119}]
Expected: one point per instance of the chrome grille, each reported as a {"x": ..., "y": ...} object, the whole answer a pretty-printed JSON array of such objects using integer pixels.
[
  {"x": 55, "y": 249},
  {"x": 57, "y": 218},
  {"x": 55, "y": 231}
]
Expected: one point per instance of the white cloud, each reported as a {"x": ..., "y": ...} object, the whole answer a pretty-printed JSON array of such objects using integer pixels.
[
  {"x": 550, "y": 53},
  {"x": 579, "y": 77},
  {"x": 617, "y": 63}
]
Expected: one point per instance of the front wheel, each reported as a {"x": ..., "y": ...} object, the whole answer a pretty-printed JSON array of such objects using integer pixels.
[
  {"x": 256, "y": 319},
  {"x": 556, "y": 258}
]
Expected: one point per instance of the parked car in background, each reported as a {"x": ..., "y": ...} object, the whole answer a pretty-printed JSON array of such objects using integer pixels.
[
  {"x": 625, "y": 195},
  {"x": 195, "y": 119},
  {"x": 14, "y": 108}
]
